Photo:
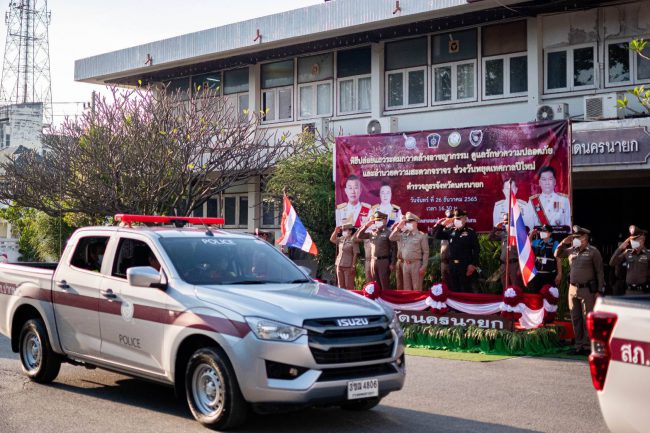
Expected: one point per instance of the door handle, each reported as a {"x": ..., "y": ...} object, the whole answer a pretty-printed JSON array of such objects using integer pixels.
[
  {"x": 108, "y": 294},
  {"x": 63, "y": 284}
]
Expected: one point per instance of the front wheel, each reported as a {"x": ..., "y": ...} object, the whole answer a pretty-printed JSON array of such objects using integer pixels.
[
  {"x": 212, "y": 391},
  {"x": 37, "y": 358}
]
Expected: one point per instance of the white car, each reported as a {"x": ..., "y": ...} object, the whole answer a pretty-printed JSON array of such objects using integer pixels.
[{"x": 619, "y": 328}]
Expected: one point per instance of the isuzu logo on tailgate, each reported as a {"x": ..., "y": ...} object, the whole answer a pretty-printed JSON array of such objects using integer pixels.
[{"x": 354, "y": 321}]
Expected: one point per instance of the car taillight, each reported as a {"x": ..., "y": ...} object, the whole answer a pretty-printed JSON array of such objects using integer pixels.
[{"x": 600, "y": 325}]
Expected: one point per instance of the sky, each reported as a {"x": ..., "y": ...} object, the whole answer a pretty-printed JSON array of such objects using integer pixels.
[{"x": 84, "y": 28}]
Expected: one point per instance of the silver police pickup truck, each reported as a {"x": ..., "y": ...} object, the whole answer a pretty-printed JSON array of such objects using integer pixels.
[{"x": 225, "y": 318}]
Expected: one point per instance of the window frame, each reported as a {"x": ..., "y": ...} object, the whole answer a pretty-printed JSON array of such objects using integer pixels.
[
  {"x": 355, "y": 95},
  {"x": 506, "y": 76},
  {"x": 454, "y": 82},
  {"x": 314, "y": 85},
  {"x": 277, "y": 217},
  {"x": 108, "y": 238},
  {"x": 570, "y": 68},
  {"x": 237, "y": 210},
  {"x": 276, "y": 93},
  {"x": 634, "y": 60},
  {"x": 404, "y": 72}
]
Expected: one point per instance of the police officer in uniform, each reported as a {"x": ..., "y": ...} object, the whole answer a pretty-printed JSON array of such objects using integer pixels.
[
  {"x": 586, "y": 279},
  {"x": 636, "y": 258},
  {"x": 346, "y": 259},
  {"x": 414, "y": 249},
  {"x": 509, "y": 253},
  {"x": 444, "y": 255},
  {"x": 382, "y": 250},
  {"x": 464, "y": 250},
  {"x": 549, "y": 269}
]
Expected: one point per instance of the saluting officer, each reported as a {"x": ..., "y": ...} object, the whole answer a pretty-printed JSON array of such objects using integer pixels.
[
  {"x": 500, "y": 233},
  {"x": 414, "y": 249},
  {"x": 381, "y": 248},
  {"x": 346, "y": 259},
  {"x": 633, "y": 254},
  {"x": 464, "y": 250},
  {"x": 549, "y": 269},
  {"x": 586, "y": 279}
]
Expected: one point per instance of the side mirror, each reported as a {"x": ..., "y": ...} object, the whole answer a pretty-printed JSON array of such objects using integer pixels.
[
  {"x": 305, "y": 270},
  {"x": 144, "y": 276}
]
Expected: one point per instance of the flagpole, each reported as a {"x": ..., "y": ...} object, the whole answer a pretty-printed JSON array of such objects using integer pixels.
[{"x": 508, "y": 234}]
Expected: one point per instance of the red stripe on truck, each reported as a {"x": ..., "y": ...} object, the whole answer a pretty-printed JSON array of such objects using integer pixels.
[{"x": 630, "y": 351}]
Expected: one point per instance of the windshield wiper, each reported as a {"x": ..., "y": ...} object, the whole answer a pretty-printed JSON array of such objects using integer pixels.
[
  {"x": 245, "y": 282},
  {"x": 300, "y": 280}
]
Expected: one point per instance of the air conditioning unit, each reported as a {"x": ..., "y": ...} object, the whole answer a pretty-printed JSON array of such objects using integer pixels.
[
  {"x": 552, "y": 112},
  {"x": 383, "y": 125},
  {"x": 601, "y": 107},
  {"x": 322, "y": 125}
]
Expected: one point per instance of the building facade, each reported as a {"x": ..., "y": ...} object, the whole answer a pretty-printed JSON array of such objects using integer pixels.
[{"x": 369, "y": 66}]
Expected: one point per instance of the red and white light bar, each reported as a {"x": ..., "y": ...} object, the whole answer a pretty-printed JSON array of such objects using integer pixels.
[{"x": 129, "y": 219}]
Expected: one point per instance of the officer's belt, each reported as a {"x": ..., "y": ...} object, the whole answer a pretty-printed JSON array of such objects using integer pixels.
[
  {"x": 381, "y": 257},
  {"x": 580, "y": 285},
  {"x": 408, "y": 262},
  {"x": 639, "y": 287}
]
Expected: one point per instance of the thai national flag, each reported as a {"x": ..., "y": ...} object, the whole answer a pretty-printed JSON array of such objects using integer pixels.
[
  {"x": 519, "y": 237},
  {"x": 294, "y": 233}
]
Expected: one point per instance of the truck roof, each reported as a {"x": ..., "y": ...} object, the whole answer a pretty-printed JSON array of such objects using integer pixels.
[{"x": 169, "y": 231}]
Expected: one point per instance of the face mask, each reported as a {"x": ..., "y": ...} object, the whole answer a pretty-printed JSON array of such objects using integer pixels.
[
  {"x": 346, "y": 233},
  {"x": 577, "y": 243},
  {"x": 409, "y": 226},
  {"x": 635, "y": 244},
  {"x": 458, "y": 223},
  {"x": 543, "y": 235}
]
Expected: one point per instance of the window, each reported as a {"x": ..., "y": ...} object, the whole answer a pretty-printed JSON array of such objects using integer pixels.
[
  {"x": 130, "y": 253},
  {"x": 235, "y": 209},
  {"x": 453, "y": 56},
  {"x": 505, "y": 62},
  {"x": 316, "y": 95},
  {"x": 625, "y": 67},
  {"x": 271, "y": 211},
  {"x": 571, "y": 69},
  {"x": 235, "y": 88},
  {"x": 211, "y": 81},
  {"x": 277, "y": 91},
  {"x": 406, "y": 73},
  {"x": 180, "y": 85},
  {"x": 212, "y": 208},
  {"x": 89, "y": 253},
  {"x": 353, "y": 80}
]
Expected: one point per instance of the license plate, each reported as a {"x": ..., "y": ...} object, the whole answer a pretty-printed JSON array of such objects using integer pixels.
[{"x": 363, "y": 388}]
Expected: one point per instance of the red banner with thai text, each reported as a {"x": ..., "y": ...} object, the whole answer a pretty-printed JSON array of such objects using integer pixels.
[{"x": 429, "y": 172}]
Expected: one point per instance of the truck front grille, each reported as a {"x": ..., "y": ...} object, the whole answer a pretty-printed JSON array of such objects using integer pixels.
[{"x": 332, "y": 344}]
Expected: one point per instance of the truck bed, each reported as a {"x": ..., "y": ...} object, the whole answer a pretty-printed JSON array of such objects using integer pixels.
[{"x": 638, "y": 301}]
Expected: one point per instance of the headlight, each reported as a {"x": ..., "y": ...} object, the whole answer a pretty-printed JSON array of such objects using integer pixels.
[
  {"x": 266, "y": 329},
  {"x": 395, "y": 324}
]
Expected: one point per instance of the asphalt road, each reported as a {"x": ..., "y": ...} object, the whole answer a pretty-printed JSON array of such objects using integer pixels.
[{"x": 518, "y": 395}]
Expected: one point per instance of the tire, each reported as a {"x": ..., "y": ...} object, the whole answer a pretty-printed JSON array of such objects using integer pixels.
[
  {"x": 361, "y": 405},
  {"x": 38, "y": 360},
  {"x": 212, "y": 391}
]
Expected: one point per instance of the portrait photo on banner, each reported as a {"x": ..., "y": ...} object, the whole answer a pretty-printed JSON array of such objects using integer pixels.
[{"x": 474, "y": 168}]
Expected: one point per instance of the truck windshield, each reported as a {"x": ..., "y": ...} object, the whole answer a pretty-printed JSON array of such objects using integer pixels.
[{"x": 213, "y": 260}]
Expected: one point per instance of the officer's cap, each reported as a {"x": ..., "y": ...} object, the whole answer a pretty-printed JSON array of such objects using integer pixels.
[
  {"x": 636, "y": 231},
  {"x": 379, "y": 216},
  {"x": 459, "y": 213},
  {"x": 577, "y": 230},
  {"x": 346, "y": 226},
  {"x": 545, "y": 228},
  {"x": 412, "y": 217}
]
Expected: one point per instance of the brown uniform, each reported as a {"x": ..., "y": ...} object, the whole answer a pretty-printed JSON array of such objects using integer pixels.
[
  {"x": 637, "y": 261},
  {"x": 586, "y": 277},
  {"x": 514, "y": 273},
  {"x": 399, "y": 274},
  {"x": 414, "y": 248},
  {"x": 367, "y": 259},
  {"x": 382, "y": 255},
  {"x": 348, "y": 250}
]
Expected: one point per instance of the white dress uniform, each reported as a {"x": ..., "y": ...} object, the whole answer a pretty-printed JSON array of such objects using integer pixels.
[
  {"x": 555, "y": 206},
  {"x": 345, "y": 211},
  {"x": 501, "y": 207},
  {"x": 393, "y": 211}
]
